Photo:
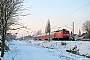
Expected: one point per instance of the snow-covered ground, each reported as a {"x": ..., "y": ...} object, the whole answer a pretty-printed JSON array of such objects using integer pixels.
[
  {"x": 83, "y": 47},
  {"x": 44, "y": 50}
]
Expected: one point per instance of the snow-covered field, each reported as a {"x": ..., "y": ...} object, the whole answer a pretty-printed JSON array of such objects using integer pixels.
[
  {"x": 82, "y": 46},
  {"x": 45, "y": 50}
]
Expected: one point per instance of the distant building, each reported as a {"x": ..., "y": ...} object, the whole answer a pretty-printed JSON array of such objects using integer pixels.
[{"x": 84, "y": 35}]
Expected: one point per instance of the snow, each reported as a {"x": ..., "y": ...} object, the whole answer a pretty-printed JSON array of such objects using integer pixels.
[{"x": 45, "y": 50}]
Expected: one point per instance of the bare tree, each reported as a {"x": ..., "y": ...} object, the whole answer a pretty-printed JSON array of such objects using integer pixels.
[
  {"x": 86, "y": 27},
  {"x": 39, "y": 32},
  {"x": 8, "y": 11},
  {"x": 48, "y": 28}
]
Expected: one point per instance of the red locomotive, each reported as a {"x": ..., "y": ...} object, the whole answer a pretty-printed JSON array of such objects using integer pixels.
[{"x": 56, "y": 35}]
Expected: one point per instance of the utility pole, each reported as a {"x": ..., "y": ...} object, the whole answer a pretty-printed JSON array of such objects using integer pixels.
[
  {"x": 73, "y": 31},
  {"x": 73, "y": 28}
]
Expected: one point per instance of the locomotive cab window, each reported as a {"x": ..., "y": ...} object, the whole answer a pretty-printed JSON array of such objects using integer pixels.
[{"x": 66, "y": 32}]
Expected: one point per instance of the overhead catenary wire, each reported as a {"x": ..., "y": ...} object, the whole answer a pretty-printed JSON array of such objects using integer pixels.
[{"x": 72, "y": 12}]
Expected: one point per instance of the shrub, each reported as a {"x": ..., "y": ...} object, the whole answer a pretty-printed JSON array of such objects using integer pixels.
[{"x": 63, "y": 43}]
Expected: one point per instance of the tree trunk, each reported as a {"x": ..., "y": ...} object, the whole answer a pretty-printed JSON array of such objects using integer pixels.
[
  {"x": 3, "y": 43},
  {"x": 88, "y": 34},
  {"x": 3, "y": 39},
  {"x": 2, "y": 32},
  {"x": 4, "y": 26}
]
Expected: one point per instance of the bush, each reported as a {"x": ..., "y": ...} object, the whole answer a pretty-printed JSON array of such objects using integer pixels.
[{"x": 63, "y": 43}]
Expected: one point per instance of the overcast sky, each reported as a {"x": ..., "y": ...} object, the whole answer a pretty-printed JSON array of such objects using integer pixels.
[{"x": 61, "y": 13}]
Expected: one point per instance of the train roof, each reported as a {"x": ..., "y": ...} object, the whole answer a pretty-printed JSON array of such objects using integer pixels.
[
  {"x": 60, "y": 30},
  {"x": 43, "y": 34}
]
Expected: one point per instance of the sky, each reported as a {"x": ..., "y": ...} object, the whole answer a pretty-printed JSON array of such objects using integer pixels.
[{"x": 61, "y": 13}]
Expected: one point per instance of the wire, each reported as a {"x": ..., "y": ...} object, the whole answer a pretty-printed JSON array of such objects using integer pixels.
[{"x": 74, "y": 11}]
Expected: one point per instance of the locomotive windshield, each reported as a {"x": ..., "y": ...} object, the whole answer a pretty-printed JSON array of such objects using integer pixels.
[{"x": 66, "y": 32}]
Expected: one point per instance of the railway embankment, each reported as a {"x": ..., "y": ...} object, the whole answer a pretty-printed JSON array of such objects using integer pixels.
[{"x": 81, "y": 48}]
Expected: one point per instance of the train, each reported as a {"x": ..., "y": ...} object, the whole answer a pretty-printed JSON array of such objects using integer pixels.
[{"x": 55, "y": 35}]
